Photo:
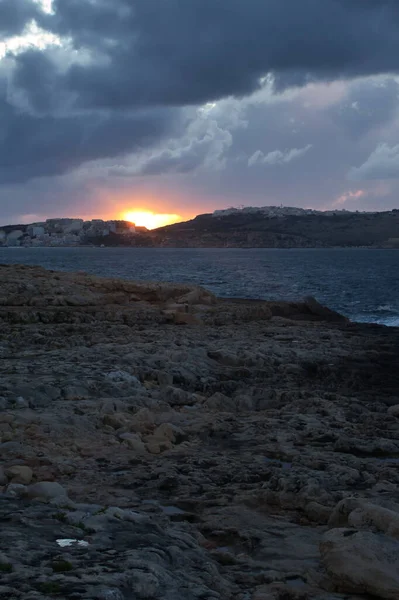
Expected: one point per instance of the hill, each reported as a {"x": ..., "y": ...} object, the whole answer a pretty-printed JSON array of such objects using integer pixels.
[
  {"x": 259, "y": 230},
  {"x": 268, "y": 227}
]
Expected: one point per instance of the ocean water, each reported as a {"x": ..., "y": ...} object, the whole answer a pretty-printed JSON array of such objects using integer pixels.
[{"x": 361, "y": 284}]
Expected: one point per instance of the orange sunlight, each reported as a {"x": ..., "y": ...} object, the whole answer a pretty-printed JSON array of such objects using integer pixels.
[{"x": 148, "y": 219}]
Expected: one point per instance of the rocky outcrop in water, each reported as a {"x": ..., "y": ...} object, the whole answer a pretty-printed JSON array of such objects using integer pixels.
[{"x": 159, "y": 443}]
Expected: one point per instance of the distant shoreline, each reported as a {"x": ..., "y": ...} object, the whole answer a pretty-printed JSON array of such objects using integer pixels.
[
  {"x": 237, "y": 229},
  {"x": 105, "y": 247}
]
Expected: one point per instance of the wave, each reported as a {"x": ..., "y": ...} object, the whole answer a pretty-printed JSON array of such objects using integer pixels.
[
  {"x": 388, "y": 308},
  {"x": 390, "y": 321},
  {"x": 377, "y": 319}
]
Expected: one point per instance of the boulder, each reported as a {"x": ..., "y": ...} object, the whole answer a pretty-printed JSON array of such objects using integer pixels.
[
  {"x": 364, "y": 515},
  {"x": 168, "y": 432},
  {"x": 318, "y": 512},
  {"x": 134, "y": 441},
  {"x": 16, "y": 490},
  {"x": 177, "y": 397},
  {"x": 380, "y": 518},
  {"x": 142, "y": 421},
  {"x": 115, "y": 421},
  {"x": 19, "y": 474},
  {"x": 361, "y": 562},
  {"x": 155, "y": 445},
  {"x": 46, "y": 490},
  {"x": 339, "y": 516}
]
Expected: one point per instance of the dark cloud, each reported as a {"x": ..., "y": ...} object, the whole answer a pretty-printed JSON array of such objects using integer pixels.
[
  {"x": 175, "y": 52},
  {"x": 126, "y": 69},
  {"x": 42, "y": 146},
  {"x": 15, "y": 14},
  {"x": 35, "y": 74},
  {"x": 368, "y": 104}
]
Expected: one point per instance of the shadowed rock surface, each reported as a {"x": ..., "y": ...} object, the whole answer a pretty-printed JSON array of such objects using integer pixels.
[{"x": 192, "y": 447}]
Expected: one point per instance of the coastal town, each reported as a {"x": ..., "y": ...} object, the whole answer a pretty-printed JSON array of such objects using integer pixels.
[
  {"x": 64, "y": 232},
  {"x": 280, "y": 211},
  {"x": 249, "y": 227}
]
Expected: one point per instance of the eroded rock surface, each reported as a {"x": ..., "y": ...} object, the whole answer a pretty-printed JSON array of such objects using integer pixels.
[{"x": 192, "y": 447}]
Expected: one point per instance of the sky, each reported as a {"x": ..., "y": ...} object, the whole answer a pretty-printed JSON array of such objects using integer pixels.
[{"x": 180, "y": 107}]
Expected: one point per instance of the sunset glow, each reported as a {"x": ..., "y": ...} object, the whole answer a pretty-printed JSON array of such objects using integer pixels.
[{"x": 150, "y": 220}]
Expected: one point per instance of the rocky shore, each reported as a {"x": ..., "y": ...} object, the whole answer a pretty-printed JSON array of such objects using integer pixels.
[{"x": 159, "y": 443}]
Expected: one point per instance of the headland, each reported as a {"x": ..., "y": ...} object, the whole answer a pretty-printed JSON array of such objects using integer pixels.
[{"x": 250, "y": 227}]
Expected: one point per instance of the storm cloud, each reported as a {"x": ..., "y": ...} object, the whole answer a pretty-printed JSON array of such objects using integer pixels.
[
  {"x": 260, "y": 101},
  {"x": 177, "y": 53},
  {"x": 41, "y": 146}
]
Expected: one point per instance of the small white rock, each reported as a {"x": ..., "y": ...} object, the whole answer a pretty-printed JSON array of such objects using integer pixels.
[{"x": 66, "y": 542}]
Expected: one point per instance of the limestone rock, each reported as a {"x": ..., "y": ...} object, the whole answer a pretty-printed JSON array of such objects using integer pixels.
[
  {"x": 361, "y": 562},
  {"x": 186, "y": 319},
  {"x": 134, "y": 441},
  {"x": 122, "y": 377},
  {"x": 155, "y": 445},
  {"x": 16, "y": 489},
  {"x": 244, "y": 437},
  {"x": 177, "y": 397},
  {"x": 220, "y": 402},
  {"x": 116, "y": 421},
  {"x": 19, "y": 474},
  {"x": 142, "y": 421},
  {"x": 46, "y": 490},
  {"x": 169, "y": 432},
  {"x": 114, "y": 512},
  {"x": 318, "y": 513},
  {"x": 340, "y": 513},
  {"x": 360, "y": 514}
]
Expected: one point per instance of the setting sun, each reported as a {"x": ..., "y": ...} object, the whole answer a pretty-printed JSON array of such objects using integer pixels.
[{"x": 149, "y": 219}]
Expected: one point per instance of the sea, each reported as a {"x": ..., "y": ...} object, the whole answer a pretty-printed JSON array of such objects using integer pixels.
[{"x": 362, "y": 284}]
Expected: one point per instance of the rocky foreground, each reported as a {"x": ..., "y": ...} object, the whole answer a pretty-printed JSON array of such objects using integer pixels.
[{"x": 158, "y": 443}]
